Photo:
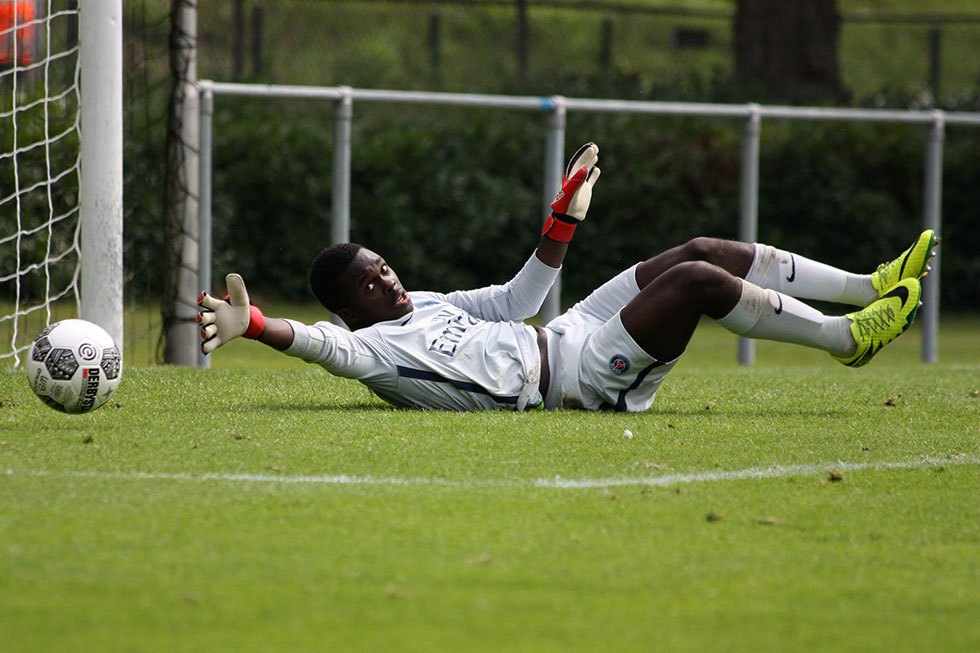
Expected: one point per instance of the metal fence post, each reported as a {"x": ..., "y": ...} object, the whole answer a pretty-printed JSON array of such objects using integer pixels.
[
  {"x": 205, "y": 129},
  {"x": 748, "y": 223},
  {"x": 183, "y": 340},
  {"x": 554, "y": 154},
  {"x": 932, "y": 219},
  {"x": 343, "y": 116}
]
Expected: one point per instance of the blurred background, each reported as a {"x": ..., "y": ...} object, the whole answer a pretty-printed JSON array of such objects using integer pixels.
[
  {"x": 863, "y": 51},
  {"x": 452, "y": 196}
]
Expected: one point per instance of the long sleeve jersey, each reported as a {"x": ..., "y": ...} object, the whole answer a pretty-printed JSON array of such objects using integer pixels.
[{"x": 465, "y": 350}]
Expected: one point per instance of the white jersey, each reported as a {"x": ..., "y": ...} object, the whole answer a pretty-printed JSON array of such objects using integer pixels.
[{"x": 465, "y": 350}]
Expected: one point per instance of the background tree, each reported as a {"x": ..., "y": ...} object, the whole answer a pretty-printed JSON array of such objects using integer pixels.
[{"x": 789, "y": 49}]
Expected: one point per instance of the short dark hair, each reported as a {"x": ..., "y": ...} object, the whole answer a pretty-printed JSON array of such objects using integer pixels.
[{"x": 325, "y": 273}]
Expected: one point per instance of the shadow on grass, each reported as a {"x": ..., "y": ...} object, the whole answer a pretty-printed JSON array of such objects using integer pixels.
[
  {"x": 377, "y": 407},
  {"x": 758, "y": 412},
  {"x": 357, "y": 406}
]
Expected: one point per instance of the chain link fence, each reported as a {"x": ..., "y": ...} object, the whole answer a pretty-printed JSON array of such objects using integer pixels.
[
  {"x": 554, "y": 46},
  {"x": 647, "y": 50},
  {"x": 594, "y": 49}
]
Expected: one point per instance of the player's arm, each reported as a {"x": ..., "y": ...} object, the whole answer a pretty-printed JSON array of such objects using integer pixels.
[
  {"x": 522, "y": 296},
  {"x": 337, "y": 350},
  {"x": 224, "y": 320},
  {"x": 570, "y": 206},
  {"x": 278, "y": 334}
]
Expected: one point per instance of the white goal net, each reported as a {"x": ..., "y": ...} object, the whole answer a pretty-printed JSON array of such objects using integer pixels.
[
  {"x": 39, "y": 169},
  {"x": 60, "y": 167}
]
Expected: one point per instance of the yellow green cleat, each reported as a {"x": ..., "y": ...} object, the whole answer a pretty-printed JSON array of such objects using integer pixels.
[
  {"x": 881, "y": 322},
  {"x": 913, "y": 263}
]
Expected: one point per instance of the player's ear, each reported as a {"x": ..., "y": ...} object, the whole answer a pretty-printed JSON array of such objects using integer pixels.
[{"x": 347, "y": 315}]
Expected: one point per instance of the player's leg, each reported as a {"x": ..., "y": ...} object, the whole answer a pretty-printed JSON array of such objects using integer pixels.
[
  {"x": 606, "y": 300},
  {"x": 732, "y": 256},
  {"x": 798, "y": 276},
  {"x": 702, "y": 277},
  {"x": 663, "y": 316},
  {"x": 793, "y": 274},
  {"x": 625, "y": 360}
]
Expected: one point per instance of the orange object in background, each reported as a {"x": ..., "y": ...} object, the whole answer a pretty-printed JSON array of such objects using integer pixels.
[{"x": 25, "y": 14}]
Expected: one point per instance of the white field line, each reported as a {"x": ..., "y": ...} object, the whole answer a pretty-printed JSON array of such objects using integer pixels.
[{"x": 662, "y": 480}]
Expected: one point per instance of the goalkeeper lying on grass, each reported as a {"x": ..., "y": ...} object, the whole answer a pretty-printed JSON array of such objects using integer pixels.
[{"x": 470, "y": 350}]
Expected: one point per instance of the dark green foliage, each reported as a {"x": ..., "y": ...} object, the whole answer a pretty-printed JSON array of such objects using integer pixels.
[
  {"x": 454, "y": 198},
  {"x": 38, "y": 196},
  {"x": 846, "y": 194},
  {"x": 449, "y": 204},
  {"x": 271, "y": 209},
  {"x": 961, "y": 224}
]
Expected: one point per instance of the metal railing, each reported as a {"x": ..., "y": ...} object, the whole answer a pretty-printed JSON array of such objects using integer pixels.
[{"x": 557, "y": 108}]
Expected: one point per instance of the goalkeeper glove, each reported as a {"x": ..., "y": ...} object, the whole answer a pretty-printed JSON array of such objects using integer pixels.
[
  {"x": 223, "y": 321},
  {"x": 572, "y": 201}
]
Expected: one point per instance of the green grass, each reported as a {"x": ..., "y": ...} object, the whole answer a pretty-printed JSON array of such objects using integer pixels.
[{"x": 259, "y": 506}]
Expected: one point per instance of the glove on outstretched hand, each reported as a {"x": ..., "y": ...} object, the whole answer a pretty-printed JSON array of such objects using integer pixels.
[
  {"x": 572, "y": 201},
  {"x": 224, "y": 320}
]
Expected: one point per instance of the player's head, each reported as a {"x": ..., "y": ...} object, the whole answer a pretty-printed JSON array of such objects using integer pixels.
[{"x": 358, "y": 285}]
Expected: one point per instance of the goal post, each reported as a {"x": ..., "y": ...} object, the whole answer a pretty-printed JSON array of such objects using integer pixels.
[
  {"x": 101, "y": 166},
  {"x": 61, "y": 198}
]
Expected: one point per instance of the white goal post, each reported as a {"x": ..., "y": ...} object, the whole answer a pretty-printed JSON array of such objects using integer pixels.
[
  {"x": 101, "y": 171},
  {"x": 61, "y": 199}
]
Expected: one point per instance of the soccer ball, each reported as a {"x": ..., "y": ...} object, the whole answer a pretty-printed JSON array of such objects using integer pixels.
[{"x": 74, "y": 366}]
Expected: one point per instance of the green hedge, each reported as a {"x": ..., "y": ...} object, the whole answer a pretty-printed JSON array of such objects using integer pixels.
[{"x": 454, "y": 199}]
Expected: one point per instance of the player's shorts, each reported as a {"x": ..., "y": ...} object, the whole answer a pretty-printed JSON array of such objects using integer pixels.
[{"x": 595, "y": 363}]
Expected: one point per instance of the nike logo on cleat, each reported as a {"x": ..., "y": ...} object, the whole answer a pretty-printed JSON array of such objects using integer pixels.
[
  {"x": 792, "y": 274},
  {"x": 901, "y": 270},
  {"x": 898, "y": 291}
]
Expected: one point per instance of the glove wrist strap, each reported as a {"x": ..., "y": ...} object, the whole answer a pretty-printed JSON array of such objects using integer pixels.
[
  {"x": 559, "y": 228},
  {"x": 256, "y": 323}
]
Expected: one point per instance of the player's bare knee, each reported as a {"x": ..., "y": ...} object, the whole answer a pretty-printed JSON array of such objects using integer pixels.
[
  {"x": 704, "y": 284},
  {"x": 697, "y": 276},
  {"x": 704, "y": 248}
]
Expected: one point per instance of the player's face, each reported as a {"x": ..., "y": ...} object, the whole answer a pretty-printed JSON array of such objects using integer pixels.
[{"x": 374, "y": 292}]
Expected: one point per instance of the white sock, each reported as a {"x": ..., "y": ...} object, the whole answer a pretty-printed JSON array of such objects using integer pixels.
[
  {"x": 769, "y": 315},
  {"x": 798, "y": 276}
]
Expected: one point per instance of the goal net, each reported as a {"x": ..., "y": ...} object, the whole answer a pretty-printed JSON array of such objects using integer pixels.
[{"x": 39, "y": 169}]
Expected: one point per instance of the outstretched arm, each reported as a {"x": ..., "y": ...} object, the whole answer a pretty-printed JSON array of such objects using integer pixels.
[{"x": 339, "y": 351}]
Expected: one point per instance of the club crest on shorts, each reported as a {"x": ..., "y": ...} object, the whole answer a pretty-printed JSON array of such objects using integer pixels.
[{"x": 619, "y": 364}]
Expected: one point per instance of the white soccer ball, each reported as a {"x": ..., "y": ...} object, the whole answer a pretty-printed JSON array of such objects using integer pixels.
[{"x": 74, "y": 366}]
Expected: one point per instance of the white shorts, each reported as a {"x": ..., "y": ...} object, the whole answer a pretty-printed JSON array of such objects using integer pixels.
[{"x": 595, "y": 363}]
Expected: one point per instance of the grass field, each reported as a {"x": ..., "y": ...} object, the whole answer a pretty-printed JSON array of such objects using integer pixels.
[{"x": 263, "y": 505}]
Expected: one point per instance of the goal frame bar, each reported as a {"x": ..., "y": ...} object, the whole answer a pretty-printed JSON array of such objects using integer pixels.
[{"x": 101, "y": 165}]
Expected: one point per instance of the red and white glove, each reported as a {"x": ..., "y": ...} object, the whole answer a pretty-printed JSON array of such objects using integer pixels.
[
  {"x": 572, "y": 201},
  {"x": 224, "y": 320}
]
